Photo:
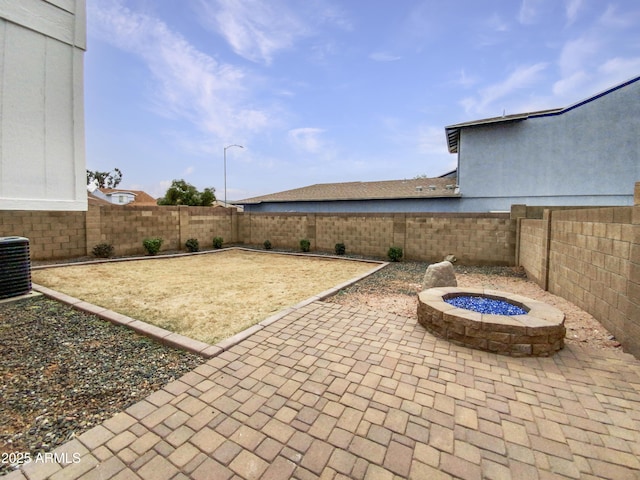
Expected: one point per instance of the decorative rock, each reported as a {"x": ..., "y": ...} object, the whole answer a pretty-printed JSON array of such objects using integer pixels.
[
  {"x": 439, "y": 275},
  {"x": 486, "y": 305},
  {"x": 58, "y": 383}
]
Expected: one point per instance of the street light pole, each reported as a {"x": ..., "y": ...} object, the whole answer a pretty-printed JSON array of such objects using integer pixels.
[{"x": 225, "y": 170}]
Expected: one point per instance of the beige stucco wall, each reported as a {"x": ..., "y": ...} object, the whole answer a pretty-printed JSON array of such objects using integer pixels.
[{"x": 42, "y": 152}]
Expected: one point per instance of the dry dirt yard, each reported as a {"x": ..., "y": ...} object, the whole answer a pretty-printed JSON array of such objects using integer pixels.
[{"x": 206, "y": 297}]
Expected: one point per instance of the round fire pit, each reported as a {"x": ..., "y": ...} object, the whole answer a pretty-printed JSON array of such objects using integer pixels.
[{"x": 494, "y": 321}]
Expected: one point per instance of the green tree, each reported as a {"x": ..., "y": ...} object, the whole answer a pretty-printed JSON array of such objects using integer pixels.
[
  {"x": 105, "y": 179},
  {"x": 183, "y": 193}
]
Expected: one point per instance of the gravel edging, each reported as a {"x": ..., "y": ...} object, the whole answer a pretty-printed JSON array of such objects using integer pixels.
[{"x": 64, "y": 371}]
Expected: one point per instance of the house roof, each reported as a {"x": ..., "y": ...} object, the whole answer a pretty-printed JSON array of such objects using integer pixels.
[
  {"x": 453, "y": 131},
  {"x": 141, "y": 198},
  {"x": 387, "y": 190},
  {"x": 93, "y": 200}
]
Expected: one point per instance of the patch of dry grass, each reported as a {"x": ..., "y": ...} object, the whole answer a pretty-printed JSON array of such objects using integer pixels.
[{"x": 205, "y": 297}]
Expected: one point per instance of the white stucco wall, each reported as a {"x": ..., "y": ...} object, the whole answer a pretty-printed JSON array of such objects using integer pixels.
[
  {"x": 42, "y": 151},
  {"x": 587, "y": 155}
]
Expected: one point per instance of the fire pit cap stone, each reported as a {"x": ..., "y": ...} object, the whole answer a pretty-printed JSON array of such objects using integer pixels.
[{"x": 539, "y": 332}]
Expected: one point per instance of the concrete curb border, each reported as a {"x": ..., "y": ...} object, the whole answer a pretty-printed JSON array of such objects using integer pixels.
[{"x": 180, "y": 341}]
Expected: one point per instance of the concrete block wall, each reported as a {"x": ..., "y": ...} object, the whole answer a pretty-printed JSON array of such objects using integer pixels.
[
  {"x": 590, "y": 264},
  {"x": 631, "y": 304},
  {"x": 51, "y": 234},
  {"x": 59, "y": 235},
  {"x": 590, "y": 256},
  {"x": 364, "y": 234},
  {"x": 283, "y": 230},
  {"x": 473, "y": 238},
  {"x": 125, "y": 227},
  {"x": 206, "y": 223},
  {"x": 532, "y": 249}
]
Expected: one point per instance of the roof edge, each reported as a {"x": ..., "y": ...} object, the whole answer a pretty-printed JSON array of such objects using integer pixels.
[
  {"x": 364, "y": 199},
  {"x": 453, "y": 131},
  {"x": 588, "y": 100}
]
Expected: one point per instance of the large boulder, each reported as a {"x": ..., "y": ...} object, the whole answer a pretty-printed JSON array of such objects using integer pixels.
[{"x": 439, "y": 275}]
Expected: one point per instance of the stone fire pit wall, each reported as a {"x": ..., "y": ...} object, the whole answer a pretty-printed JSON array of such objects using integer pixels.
[{"x": 540, "y": 332}]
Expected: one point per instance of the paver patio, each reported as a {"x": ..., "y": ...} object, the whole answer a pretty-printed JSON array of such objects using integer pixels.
[{"x": 338, "y": 393}]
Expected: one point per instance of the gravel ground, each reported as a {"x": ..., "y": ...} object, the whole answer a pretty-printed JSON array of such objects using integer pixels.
[
  {"x": 395, "y": 288},
  {"x": 63, "y": 372}
]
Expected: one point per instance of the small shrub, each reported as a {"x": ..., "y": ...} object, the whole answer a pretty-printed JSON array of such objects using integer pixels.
[
  {"x": 192, "y": 245},
  {"x": 217, "y": 242},
  {"x": 305, "y": 245},
  {"x": 152, "y": 245},
  {"x": 103, "y": 250},
  {"x": 395, "y": 254},
  {"x": 340, "y": 249},
  {"x": 267, "y": 245}
]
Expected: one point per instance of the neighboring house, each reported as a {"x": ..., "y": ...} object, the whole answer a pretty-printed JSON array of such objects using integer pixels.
[
  {"x": 221, "y": 204},
  {"x": 115, "y": 196},
  {"x": 416, "y": 195},
  {"x": 42, "y": 152},
  {"x": 585, "y": 154}
]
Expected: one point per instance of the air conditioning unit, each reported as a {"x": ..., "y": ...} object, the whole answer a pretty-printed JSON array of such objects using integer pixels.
[{"x": 15, "y": 267}]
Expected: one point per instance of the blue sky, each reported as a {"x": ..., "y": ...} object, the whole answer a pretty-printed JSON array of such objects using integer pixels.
[{"x": 322, "y": 91}]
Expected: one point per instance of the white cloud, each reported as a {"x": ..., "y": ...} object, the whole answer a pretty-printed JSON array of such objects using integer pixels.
[
  {"x": 468, "y": 103},
  {"x": 188, "y": 84},
  {"x": 321, "y": 52},
  {"x": 576, "y": 54},
  {"x": 383, "y": 57},
  {"x": 255, "y": 29},
  {"x": 432, "y": 140},
  {"x": 491, "y": 31},
  {"x": 422, "y": 148},
  {"x": 618, "y": 70},
  {"x": 585, "y": 64},
  {"x": 497, "y": 24},
  {"x": 529, "y": 11},
  {"x": 521, "y": 78},
  {"x": 159, "y": 189},
  {"x": 333, "y": 15},
  {"x": 572, "y": 7},
  {"x": 568, "y": 85},
  {"x": 612, "y": 18},
  {"x": 583, "y": 84},
  {"x": 307, "y": 139},
  {"x": 465, "y": 80}
]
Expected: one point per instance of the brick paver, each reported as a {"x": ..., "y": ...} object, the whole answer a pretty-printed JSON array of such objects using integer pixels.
[{"x": 333, "y": 392}]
